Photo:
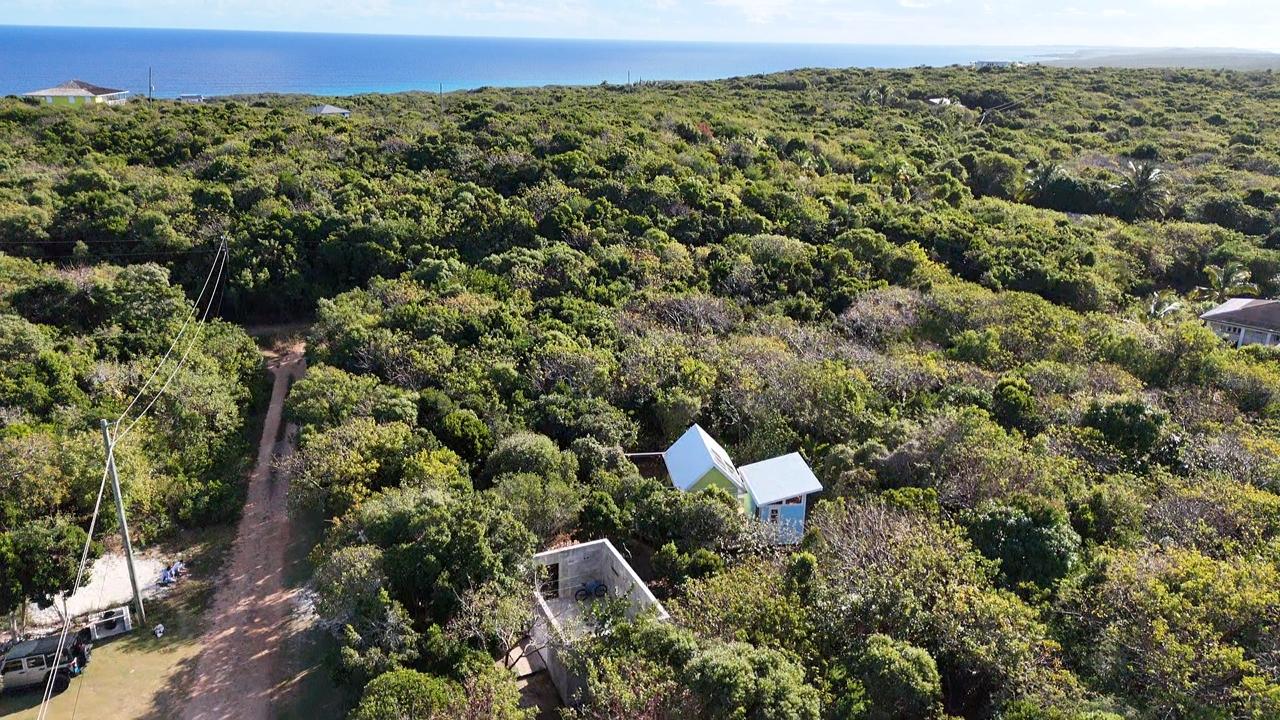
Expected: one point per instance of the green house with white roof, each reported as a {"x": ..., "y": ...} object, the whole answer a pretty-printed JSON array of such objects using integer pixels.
[{"x": 776, "y": 491}]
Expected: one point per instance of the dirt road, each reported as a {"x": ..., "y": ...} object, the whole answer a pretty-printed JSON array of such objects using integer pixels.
[{"x": 235, "y": 677}]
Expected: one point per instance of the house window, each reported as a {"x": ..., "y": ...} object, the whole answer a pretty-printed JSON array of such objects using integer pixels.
[
  {"x": 773, "y": 514},
  {"x": 793, "y": 500}
]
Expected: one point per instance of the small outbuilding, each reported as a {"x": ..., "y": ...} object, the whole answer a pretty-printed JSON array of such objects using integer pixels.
[
  {"x": 329, "y": 110},
  {"x": 779, "y": 490},
  {"x": 696, "y": 462},
  {"x": 1246, "y": 321},
  {"x": 79, "y": 92}
]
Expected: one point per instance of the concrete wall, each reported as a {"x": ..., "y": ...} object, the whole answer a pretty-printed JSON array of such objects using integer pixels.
[{"x": 596, "y": 561}]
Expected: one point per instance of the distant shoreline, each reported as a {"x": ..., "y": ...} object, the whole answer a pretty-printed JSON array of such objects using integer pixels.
[{"x": 1192, "y": 58}]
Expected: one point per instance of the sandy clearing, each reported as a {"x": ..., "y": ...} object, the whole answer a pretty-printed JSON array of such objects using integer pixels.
[{"x": 108, "y": 587}]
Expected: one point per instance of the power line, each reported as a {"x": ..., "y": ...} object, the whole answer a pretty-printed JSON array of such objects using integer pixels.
[
  {"x": 110, "y": 459},
  {"x": 182, "y": 361},
  {"x": 86, "y": 241},
  {"x": 194, "y": 311},
  {"x": 66, "y": 613},
  {"x": 102, "y": 590},
  {"x": 93, "y": 255}
]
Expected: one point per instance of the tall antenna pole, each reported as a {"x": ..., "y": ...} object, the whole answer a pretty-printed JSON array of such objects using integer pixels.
[
  {"x": 151, "y": 85},
  {"x": 124, "y": 525}
]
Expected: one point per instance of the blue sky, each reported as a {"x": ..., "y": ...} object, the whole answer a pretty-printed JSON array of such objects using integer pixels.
[{"x": 1194, "y": 23}]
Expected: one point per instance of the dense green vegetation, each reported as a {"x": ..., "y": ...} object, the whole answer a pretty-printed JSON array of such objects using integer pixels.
[
  {"x": 1051, "y": 492},
  {"x": 75, "y": 346}
]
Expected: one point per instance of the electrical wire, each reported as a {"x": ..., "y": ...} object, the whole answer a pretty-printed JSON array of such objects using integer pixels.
[
  {"x": 182, "y": 361},
  {"x": 190, "y": 316},
  {"x": 219, "y": 264},
  {"x": 84, "y": 561},
  {"x": 102, "y": 590}
]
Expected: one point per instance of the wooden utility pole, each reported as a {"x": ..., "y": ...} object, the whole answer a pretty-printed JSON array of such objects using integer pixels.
[{"x": 124, "y": 525}]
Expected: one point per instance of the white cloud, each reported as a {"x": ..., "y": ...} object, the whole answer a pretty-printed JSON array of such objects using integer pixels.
[{"x": 759, "y": 11}]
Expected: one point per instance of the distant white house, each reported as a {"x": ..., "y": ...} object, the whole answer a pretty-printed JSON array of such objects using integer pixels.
[
  {"x": 571, "y": 579},
  {"x": 191, "y": 98},
  {"x": 329, "y": 110},
  {"x": 79, "y": 92},
  {"x": 1246, "y": 321},
  {"x": 993, "y": 64},
  {"x": 942, "y": 102},
  {"x": 776, "y": 491}
]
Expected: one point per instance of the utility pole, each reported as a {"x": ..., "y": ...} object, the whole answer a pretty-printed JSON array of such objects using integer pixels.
[
  {"x": 151, "y": 86},
  {"x": 124, "y": 526}
]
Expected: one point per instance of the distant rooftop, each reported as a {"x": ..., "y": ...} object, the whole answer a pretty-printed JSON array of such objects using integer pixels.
[
  {"x": 75, "y": 88},
  {"x": 328, "y": 110},
  {"x": 1248, "y": 312}
]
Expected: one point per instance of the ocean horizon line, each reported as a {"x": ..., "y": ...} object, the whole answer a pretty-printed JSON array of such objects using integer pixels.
[
  {"x": 181, "y": 61},
  {"x": 247, "y": 62}
]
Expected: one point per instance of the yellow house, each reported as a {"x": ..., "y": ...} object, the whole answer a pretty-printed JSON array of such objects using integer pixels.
[{"x": 79, "y": 92}]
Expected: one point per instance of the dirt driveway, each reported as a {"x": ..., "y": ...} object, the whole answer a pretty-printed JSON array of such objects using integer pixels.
[{"x": 236, "y": 674}]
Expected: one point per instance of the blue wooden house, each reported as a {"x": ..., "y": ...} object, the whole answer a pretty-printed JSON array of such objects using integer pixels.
[{"x": 778, "y": 491}]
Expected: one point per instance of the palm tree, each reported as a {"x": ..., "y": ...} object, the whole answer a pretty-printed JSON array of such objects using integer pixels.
[
  {"x": 1227, "y": 281},
  {"x": 897, "y": 175},
  {"x": 887, "y": 94},
  {"x": 1141, "y": 190},
  {"x": 1041, "y": 177},
  {"x": 1162, "y": 303}
]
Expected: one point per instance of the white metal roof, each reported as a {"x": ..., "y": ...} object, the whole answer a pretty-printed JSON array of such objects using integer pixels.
[
  {"x": 777, "y": 479},
  {"x": 328, "y": 110},
  {"x": 693, "y": 455}
]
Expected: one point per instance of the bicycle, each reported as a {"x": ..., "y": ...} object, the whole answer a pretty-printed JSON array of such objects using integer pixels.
[{"x": 595, "y": 589}]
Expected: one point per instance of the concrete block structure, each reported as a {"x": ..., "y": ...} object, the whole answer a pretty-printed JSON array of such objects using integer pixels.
[{"x": 562, "y": 608}]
